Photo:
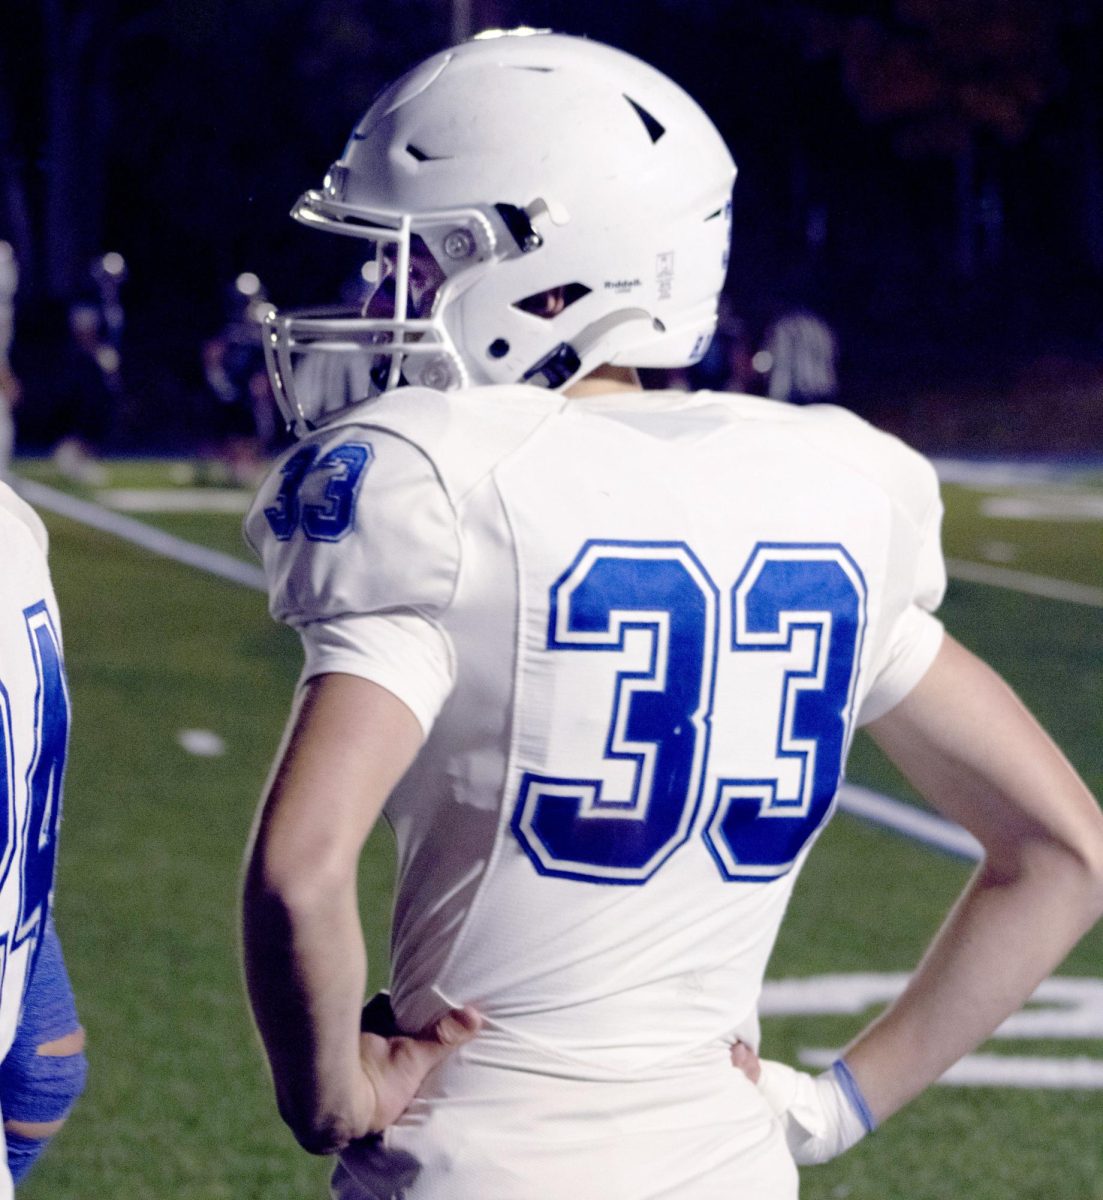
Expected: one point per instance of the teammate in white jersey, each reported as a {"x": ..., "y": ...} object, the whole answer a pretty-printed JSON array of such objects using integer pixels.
[
  {"x": 42, "y": 1064},
  {"x": 598, "y": 655}
]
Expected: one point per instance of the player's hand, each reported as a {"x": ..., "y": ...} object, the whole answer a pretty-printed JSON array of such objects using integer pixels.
[
  {"x": 818, "y": 1115},
  {"x": 333, "y": 1113},
  {"x": 395, "y": 1066},
  {"x": 744, "y": 1059}
]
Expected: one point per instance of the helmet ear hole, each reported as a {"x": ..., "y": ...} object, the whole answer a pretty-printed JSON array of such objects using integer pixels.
[
  {"x": 498, "y": 348},
  {"x": 552, "y": 301}
]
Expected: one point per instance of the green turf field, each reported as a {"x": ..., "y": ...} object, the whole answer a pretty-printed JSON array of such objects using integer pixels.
[{"x": 178, "y": 1103}]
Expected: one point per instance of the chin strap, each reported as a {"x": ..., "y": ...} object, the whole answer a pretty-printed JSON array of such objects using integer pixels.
[{"x": 559, "y": 367}]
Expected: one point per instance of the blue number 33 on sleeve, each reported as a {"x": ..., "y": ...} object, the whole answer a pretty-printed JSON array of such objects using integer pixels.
[
  {"x": 659, "y": 730},
  {"x": 335, "y": 476}
]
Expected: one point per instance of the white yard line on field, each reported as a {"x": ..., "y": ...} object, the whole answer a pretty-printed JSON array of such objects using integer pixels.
[
  {"x": 214, "y": 562},
  {"x": 984, "y": 474},
  {"x": 177, "y": 500},
  {"x": 912, "y": 822},
  {"x": 1022, "y": 581}
]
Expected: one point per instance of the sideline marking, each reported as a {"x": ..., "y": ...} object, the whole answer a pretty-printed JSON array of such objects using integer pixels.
[
  {"x": 983, "y": 474},
  {"x": 1023, "y": 581},
  {"x": 185, "y": 500},
  {"x": 203, "y": 743},
  {"x": 1063, "y": 1007},
  {"x": 915, "y": 823},
  {"x": 214, "y": 562},
  {"x": 1045, "y": 506}
]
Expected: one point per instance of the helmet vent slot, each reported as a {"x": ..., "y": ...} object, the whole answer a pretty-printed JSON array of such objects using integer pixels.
[
  {"x": 419, "y": 155},
  {"x": 655, "y": 129},
  {"x": 551, "y": 302}
]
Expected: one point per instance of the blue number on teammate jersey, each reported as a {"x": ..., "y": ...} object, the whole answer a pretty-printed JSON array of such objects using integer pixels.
[
  {"x": 660, "y": 715},
  {"x": 332, "y": 518},
  {"x": 7, "y": 785},
  {"x": 759, "y": 826},
  {"x": 659, "y": 594},
  {"x": 43, "y": 779}
]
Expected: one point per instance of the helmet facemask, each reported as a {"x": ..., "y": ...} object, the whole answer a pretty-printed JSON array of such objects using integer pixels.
[{"x": 322, "y": 360}]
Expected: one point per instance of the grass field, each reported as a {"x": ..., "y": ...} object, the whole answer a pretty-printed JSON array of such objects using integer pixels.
[{"x": 178, "y": 1103}]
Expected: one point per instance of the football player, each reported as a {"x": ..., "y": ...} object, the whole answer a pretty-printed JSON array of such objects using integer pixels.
[
  {"x": 41, "y": 1042},
  {"x": 597, "y": 655}
]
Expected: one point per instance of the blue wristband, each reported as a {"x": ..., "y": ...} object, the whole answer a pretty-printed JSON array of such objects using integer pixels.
[{"x": 853, "y": 1093}]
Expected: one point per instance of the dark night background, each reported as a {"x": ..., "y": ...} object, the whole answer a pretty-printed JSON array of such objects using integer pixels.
[{"x": 927, "y": 173}]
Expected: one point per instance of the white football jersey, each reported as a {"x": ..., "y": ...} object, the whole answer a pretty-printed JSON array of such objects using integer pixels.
[
  {"x": 34, "y": 724},
  {"x": 639, "y": 631}
]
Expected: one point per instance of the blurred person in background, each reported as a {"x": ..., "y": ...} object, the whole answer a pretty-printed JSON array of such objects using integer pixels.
[
  {"x": 10, "y": 390},
  {"x": 108, "y": 274},
  {"x": 598, "y": 655},
  {"x": 800, "y": 358},
  {"x": 241, "y": 424},
  {"x": 87, "y": 386}
]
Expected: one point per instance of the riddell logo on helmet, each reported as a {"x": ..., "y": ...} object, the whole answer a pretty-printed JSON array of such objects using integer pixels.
[{"x": 622, "y": 285}]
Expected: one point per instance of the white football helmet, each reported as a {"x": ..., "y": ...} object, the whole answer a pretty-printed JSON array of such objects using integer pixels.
[{"x": 532, "y": 206}]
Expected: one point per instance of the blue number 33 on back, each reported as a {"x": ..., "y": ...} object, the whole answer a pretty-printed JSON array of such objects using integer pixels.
[{"x": 660, "y": 729}]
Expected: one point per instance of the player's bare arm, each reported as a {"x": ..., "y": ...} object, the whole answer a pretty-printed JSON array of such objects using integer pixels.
[
  {"x": 974, "y": 752},
  {"x": 971, "y": 748},
  {"x": 305, "y": 962}
]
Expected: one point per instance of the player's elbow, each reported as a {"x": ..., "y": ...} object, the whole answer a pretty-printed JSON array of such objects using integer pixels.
[
  {"x": 1083, "y": 876},
  {"x": 319, "y": 1133},
  {"x": 296, "y": 885},
  {"x": 1083, "y": 871},
  {"x": 1080, "y": 849},
  {"x": 1068, "y": 866},
  {"x": 1088, "y": 866},
  {"x": 300, "y": 865}
]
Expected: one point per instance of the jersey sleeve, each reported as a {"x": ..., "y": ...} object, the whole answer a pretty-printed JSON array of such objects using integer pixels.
[
  {"x": 914, "y": 589},
  {"x": 404, "y": 652},
  {"x": 360, "y": 548},
  {"x": 18, "y": 508},
  {"x": 25, "y": 573}
]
